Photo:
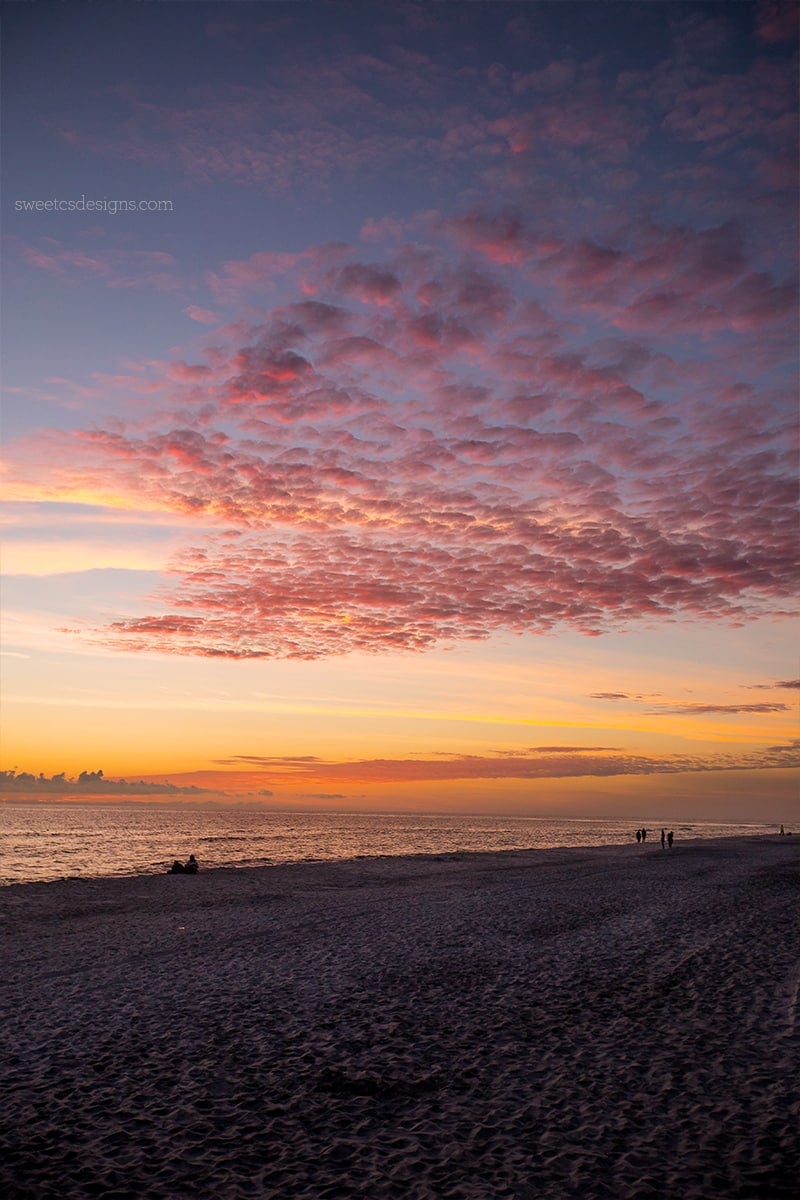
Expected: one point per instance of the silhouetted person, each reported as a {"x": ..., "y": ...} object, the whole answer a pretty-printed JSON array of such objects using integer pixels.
[
  {"x": 663, "y": 839},
  {"x": 670, "y": 837},
  {"x": 638, "y": 835},
  {"x": 191, "y": 867},
  {"x": 783, "y": 832},
  {"x": 644, "y": 834}
]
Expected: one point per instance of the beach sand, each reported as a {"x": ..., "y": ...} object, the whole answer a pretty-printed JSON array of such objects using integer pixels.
[{"x": 613, "y": 1022}]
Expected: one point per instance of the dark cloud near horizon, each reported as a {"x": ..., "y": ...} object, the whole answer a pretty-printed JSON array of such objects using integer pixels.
[
  {"x": 569, "y": 749},
  {"x": 721, "y": 709},
  {"x": 703, "y": 709},
  {"x": 534, "y": 763},
  {"x": 90, "y": 782},
  {"x": 768, "y": 687},
  {"x": 538, "y": 762}
]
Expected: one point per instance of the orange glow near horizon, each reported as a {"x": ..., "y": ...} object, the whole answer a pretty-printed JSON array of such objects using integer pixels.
[
  {"x": 282, "y": 747},
  {"x": 437, "y": 488}
]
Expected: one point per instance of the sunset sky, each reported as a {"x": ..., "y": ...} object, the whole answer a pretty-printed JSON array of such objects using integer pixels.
[{"x": 421, "y": 431}]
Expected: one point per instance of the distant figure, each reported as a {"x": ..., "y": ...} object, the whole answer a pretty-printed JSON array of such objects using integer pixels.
[
  {"x": 670, "y": 837},
  {"x": 663, "y": 839},
  {"x": 191, "y": 867},
  {"x": 644, "y": 834},
  {"x": 638, "y": 835},
  {"x": 783, "y": 832}
]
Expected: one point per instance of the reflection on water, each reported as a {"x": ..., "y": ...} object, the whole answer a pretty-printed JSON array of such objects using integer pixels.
[{"x": 48, "y": 841}]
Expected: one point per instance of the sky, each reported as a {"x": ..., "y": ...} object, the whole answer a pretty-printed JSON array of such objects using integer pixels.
[{"x": 400, "y": 405}]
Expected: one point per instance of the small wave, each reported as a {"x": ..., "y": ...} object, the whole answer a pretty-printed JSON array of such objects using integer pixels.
[
  {"x": 225, "y": 838},
  {"x": 43, "y": 843}
]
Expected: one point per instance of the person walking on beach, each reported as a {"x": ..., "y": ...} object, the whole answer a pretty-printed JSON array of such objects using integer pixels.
[
  {"x": 670, "y": 837},
  {"x": 644, "y": 834},
  {"x": 638, "y": 835},
  {"x": 663, "y": 839}
]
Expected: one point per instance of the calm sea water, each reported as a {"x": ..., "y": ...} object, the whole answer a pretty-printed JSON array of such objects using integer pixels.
[{"x": 49, "y": 841}]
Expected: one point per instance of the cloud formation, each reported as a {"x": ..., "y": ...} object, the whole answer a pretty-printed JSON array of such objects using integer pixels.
[
  {"x": 113, "y": 267},
  {"x": 536, "y": 762},
  {"x": 572, "y": 405},
  {"x": 700, "y": 708},
  {"x": 425, "y": 450},
  {"x": 23, "y": 783}
]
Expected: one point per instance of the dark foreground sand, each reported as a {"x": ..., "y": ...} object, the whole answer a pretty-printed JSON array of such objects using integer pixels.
[{"x": 587, "y": 1023}]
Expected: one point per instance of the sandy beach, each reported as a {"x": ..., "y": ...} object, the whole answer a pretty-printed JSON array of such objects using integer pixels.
[{"x": 613, "y": 1022}]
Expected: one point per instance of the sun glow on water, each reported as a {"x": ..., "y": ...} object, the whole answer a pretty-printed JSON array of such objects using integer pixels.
[{"x": 47, "y": 842}]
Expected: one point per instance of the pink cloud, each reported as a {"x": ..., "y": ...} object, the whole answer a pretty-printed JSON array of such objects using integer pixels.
[
  {"x": 114, "y": 267},
  {"x": 368, "y": 283},
  {"x": 438, "y": 446},
  {"x": 777, "y": 21},
  {"x": 503, "y": 237},
  {"x": 399, "y": 113},
  {"x": 266, "y": 270},
  {"x": 382, "y": 229},
  {"x": 541, "y": 762},
  {"x": 203, "y": 315},
  {"x": 553, "y": 78},
  {"x": 258, "y": 272},
  {"x": 561, "y": 135}
]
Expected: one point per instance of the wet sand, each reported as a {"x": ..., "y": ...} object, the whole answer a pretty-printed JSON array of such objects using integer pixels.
[{"x": 614, "y": 1022}]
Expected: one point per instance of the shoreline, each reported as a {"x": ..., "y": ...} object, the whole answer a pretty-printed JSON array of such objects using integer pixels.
[
  {"x": 599, "y": 1022},
  {"x": 627, "y": 847}
]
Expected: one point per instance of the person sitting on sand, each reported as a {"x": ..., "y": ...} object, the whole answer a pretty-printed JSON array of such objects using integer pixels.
[
  {"x": 670, "y": 837},
  {"x": 191, "y": 867}
]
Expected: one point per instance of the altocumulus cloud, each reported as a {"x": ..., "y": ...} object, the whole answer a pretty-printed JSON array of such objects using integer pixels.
[
  {"x": 573, "y": 406},
  {"x": 421, "y": 453}
]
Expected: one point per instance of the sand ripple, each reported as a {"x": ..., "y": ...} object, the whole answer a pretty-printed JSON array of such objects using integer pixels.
[{"x": 616, "y": 1023}]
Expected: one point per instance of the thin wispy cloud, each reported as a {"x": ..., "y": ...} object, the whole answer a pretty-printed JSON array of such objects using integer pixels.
[
  {"x": 113, "y": 267},
  {"x": 705, "y": 708},
  {"x": 791, "y": 684},
  {"x": 535, "y": 763},
  {"x": 702, "y": 710}
]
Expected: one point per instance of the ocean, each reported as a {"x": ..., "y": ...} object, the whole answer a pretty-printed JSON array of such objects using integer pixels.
[{"x": 40, "y": 842}]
